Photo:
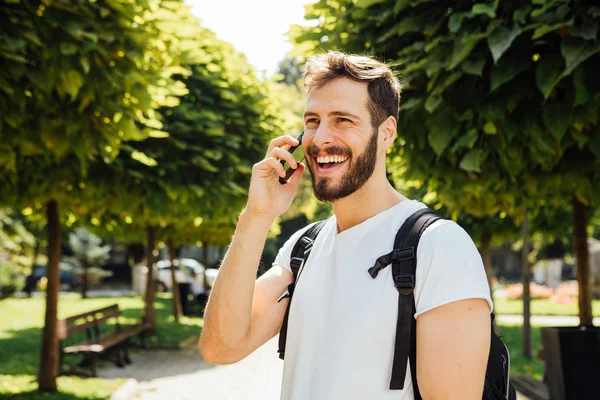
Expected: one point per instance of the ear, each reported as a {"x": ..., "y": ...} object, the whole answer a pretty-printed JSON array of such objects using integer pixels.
[{"x": 387, "y": 132}]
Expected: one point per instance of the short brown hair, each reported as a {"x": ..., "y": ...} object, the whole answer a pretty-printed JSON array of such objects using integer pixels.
[{"x": 383, "y": 86}]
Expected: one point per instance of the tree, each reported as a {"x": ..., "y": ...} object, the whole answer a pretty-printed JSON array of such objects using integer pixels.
[
  {"x": 189, "y": 181},
  {"x": 77, "y": 80},
  {"x": 502, "y": 103},
  {"x": 87, "y": 253}
]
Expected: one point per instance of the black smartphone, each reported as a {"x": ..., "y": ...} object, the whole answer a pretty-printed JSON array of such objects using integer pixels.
[{"x": 298, "y": 156}]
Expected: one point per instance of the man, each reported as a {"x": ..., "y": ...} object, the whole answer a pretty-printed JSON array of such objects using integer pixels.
[{"x": 342, "y": 323}]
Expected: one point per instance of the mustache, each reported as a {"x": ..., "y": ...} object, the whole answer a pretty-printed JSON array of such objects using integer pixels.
[{"x": 313, "y": 150}]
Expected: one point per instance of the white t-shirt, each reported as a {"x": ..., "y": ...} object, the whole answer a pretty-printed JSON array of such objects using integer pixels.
[{"x": 342, "y": 322}]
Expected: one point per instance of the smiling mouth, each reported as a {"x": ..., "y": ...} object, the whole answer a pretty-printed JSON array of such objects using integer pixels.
[{"x": 331, "y": 163}]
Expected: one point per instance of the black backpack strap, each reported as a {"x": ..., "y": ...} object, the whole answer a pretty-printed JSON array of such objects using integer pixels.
[
  {"x": 404, "y": 263},
  {"x": 300, "y": 254}
]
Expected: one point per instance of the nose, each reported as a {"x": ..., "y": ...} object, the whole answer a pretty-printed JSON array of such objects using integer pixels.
[{"x": 323, "y": 136}]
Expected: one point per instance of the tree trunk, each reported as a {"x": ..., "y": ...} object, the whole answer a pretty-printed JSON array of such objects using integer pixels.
[
  {"x": 177, "y": 311},
  {"x": 49, "y": 357},
  {"x": 84, "y": 284},
  {"x": 486, "y": 255},
  {"x": 582, "y": 254},
  {"x": 149, "y": 312},
  {"x": 526, "y": 332}
]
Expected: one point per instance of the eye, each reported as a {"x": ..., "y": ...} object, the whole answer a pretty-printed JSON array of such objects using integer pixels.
[
  {"x": 342, "y": 119},
  {"x": 312, "y": 121}
]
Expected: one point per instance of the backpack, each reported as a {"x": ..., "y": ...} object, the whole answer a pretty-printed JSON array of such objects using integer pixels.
[{"x": 403, "y": 261}]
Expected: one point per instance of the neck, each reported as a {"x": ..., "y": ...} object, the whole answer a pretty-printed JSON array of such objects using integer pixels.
[{"x": 376, "y": 195}]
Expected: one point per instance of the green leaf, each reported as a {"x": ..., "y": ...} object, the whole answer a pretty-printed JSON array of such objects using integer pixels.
[
  {"x": 144, "y": 159},
  {"x": 72, "y": 81},
  {"x": 455, "y": 22},
  {"x": 158, "y": 134},
  {"x": 520, "y": 15},
  {"x": 433, "y": 102},
  {"x": 410, "y": 103},
  {"x": 557, "y": 119},
  {"x": 442, "y": 128},
  {"x": 466, "y": 141},
  {"x": 439, "y": 89},
  {"x": 85, "y": 64},
  {"x": 483, "y": 8},
  {"x": 474, "y": 65},
  {"x": 409, "y": 24},
  {"x": 545, "y": 29},
  {"x": 576, "y": 51},
  {"x": 548, "y": 73},
  {"x": 73, "y": 28},
  {"x": 367, "y": 3},
  {"x": 32, "y": 37},
  {"x": 580, "y": 138},
  {"x": 67, "y": 48},
  {"x": 401, "y": 5},
  {"x": 472, "y": 161},
  {"x": 14, "y": 57},
  {"x": 582, "y": 93},
  {"x": 462, "y": 48},
  {"x": 501, "y": 39},
  {"x": 489, "y": 128},
  {"x": 439, "y": 140},
  {"x": 594, "y": 142},
  {"x": 508, "y": 67}
]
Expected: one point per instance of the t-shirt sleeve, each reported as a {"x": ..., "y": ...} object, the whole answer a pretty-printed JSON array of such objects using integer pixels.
[
  {"x": 285, "y": 253},
  {"x": 449, "y": 268}
]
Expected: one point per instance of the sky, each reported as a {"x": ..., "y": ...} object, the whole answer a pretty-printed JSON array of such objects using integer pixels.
[{"x": 257, "y": 28}]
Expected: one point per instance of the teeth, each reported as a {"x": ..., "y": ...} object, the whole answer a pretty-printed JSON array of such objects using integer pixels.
[{"x": 330, "y": 159}]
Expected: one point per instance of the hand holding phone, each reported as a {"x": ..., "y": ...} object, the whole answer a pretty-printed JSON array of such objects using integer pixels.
[{"x": 299, "y": 157}]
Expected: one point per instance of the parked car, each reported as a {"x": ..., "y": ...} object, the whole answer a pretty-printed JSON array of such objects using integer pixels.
[
  {"x": 67, "y": 272},
  {"x": 183, "y": 273}
]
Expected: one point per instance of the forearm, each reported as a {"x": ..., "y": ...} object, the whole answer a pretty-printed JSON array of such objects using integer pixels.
[{"x": 229, "y": 311}]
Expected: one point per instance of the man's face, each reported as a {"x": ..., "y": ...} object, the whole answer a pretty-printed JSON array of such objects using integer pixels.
[{"x": 340, "y": 142}]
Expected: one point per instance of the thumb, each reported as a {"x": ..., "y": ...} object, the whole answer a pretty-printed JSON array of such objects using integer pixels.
[{"x": 297, "y": 175}]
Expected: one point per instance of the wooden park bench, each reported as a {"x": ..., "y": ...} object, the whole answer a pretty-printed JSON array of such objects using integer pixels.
[{"x": 113, "y": 344}]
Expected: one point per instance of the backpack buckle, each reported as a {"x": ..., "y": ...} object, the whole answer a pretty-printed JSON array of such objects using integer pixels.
[
  {"x": 404, "y": 254},
  {"x": 405, "y": 284},
  {"x": 296, "y": 263}
]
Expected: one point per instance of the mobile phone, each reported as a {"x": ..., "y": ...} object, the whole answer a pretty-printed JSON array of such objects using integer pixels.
[{"x": 298, "y": 156}]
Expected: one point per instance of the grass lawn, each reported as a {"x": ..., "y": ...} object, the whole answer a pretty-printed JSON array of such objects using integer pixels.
[
  {"x": 20, "y": 341},
  {"x": 541, "y": 307},
  {"x": 511, "y": 335}
]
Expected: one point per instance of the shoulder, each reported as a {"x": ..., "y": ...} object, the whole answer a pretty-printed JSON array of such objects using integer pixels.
[
  {"x": 446, "y": 232},
  {"x": 449, "y": 267},
  {"x": 446, "y": 242}
]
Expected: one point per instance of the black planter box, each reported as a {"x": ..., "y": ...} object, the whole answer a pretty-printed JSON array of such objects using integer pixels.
[{"x": 572, "y": 356}]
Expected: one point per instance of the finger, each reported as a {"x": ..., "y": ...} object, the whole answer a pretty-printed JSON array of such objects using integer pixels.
[
  {"x": 282, "y": 141},
  {"x": 274, "y": 166},
  {"x": 284, "y": 155},
  {"x": 297, "y": 175}
]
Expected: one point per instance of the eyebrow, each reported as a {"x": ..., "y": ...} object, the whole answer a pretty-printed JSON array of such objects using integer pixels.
[{"x": 333, "y": 114}]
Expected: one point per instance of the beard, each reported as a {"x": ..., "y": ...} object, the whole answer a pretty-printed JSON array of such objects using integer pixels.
[{"x": 354, "y": 178}]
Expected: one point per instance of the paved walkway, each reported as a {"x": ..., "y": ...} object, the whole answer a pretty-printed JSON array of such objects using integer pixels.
[
  {"x": 544, "y": 320},
  {"x": 184, "y": 375}
]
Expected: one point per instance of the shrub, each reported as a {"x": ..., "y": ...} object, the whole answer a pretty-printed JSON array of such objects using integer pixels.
[
  {"x": 11, "y": 278},
  {"x": 515, "y": 291}
]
